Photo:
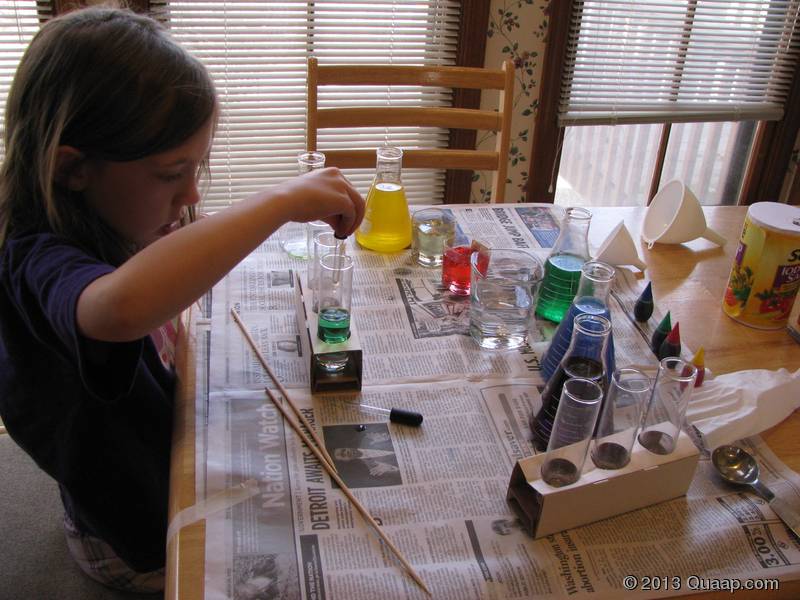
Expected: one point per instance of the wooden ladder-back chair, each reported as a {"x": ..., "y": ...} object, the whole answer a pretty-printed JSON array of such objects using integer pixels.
[{"x": 388, "y": 116}]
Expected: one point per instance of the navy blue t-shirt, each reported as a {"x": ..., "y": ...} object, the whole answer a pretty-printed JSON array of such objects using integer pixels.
[{"x": 96, "y": 416}]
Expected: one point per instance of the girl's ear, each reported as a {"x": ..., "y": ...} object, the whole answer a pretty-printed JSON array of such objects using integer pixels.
[{"x": 71, "y": 169}]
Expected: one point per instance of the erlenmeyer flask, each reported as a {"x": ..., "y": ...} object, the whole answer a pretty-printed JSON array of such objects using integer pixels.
[
  {"x": 562, "y": 270},
  {"x": 387, "y": 223},
  {"x": 585, "y": 358},
  {"x": 592, "y": 298}
]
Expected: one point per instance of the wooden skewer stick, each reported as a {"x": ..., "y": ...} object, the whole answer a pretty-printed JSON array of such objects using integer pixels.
[
  {"x": 353, "y": 500},
  {"x": 326, "y": 457}
]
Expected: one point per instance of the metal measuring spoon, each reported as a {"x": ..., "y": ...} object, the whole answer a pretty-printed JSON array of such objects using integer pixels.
[{"x": 736, "y": 465}]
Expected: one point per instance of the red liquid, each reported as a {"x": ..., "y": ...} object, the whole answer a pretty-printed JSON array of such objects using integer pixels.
[{"x": 456, "y": 269}]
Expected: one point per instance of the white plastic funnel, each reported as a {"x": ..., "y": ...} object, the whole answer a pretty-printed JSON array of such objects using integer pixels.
[
  {"x": 675, "y": 216},
  {"x": 618, "y": 249}
]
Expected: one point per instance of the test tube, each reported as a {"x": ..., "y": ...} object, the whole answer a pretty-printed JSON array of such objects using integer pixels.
[
  {"x": 628, "y": 394},
  {"x": 572, "y": 431},
  {"x": 664, "y": 418},
  {"x": 335, "y": 286},
  {"x": 324, "y": 243},
  {"x": 313, "y": 229},
  {"x": 293, "y": 237}
]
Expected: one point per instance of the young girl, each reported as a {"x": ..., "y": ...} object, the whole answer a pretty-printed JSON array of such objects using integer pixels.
[{"x": 108, "y": 125}]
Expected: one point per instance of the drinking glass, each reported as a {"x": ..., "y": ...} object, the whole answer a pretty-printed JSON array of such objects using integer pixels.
[
  {"x": 629, "y": 392},
  {"x": 503, "y": 289},
  {"x": 572, "y": 431},
  {"x": 431, "y": 230},
  {"x": 671, "y": 393},
  {"x": 293, "y": 236}
]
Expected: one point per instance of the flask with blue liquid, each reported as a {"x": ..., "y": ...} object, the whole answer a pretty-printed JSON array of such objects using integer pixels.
[
  {"x": 592, "y": 298},
  {"x": 584, "y": 359}
]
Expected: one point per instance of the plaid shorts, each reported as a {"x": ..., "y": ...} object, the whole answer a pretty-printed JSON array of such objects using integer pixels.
[{"x": 100, "y": 562}]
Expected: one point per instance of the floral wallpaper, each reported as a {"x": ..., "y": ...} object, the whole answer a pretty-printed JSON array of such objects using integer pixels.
[{"x": 517, "y": 30}]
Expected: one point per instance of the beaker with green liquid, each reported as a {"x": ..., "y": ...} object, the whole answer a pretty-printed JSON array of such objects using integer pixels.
[
  {"x": 562, "y": 270},
  {"x": 387, "y": 222}
]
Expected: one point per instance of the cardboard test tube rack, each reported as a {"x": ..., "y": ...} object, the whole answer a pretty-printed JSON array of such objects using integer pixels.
[
  {"x": 320, "y": 379},
  {"x": 599, "y": 493}
]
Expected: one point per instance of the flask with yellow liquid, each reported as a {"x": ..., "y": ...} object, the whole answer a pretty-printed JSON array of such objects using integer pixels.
[{"x": 387, "y": 223}]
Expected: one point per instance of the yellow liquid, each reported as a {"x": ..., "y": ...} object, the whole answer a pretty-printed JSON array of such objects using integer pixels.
[{"x": 387, "y": 223}]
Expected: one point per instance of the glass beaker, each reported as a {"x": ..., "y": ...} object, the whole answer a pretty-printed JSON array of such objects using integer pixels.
[
  {"x": 455, "y": 265},
  {"x": 664, "y": 418},
  {"x": 592, "y": 298},
  {"x": 572, "y": 432},
  {"x": 503, "y": 288},
  {"x": 387, "y": 223},
  {"x": 562, "y": 269},
  {"x": 585, "y": 358},
  {"x": 627, "y": 398},
  {"x": 293, "y": 237},
  {"x": 432, "y": 230}
]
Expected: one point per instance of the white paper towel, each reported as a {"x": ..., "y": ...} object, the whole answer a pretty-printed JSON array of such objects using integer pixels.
[{"x": 744, "y": 403}]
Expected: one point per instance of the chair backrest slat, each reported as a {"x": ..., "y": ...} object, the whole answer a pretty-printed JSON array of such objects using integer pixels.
[
  {"x": 397, "y": 116},
  {"x": 447, "y": 77},
  {"x": 417, "y": 159}
]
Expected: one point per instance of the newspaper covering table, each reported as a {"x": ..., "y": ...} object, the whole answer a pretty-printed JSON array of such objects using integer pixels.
[{"x": 438, "y": 490}]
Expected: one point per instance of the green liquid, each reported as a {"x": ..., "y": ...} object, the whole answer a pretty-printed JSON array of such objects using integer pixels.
[
  {"x": 333, "y": 325},
  {"x": 562, "y": 272}
]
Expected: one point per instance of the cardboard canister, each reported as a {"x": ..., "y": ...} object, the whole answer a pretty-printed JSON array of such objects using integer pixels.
[
  {"x": 794, "y": 320},
  {"x": 765, "y": 275}
]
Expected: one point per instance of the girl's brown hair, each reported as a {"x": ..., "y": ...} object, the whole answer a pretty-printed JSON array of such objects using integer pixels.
[{"x": 112, "y": 84}]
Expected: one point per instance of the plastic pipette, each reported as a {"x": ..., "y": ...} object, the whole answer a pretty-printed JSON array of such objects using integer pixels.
[
  {"x": 396, "y": 415},
  {"x": 339, "y": 252}
]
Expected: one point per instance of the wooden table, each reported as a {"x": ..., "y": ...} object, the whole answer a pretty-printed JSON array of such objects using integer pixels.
[{"x": 688, "y": 280}]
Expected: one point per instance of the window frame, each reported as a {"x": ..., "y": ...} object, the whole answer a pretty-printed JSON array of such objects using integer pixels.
[{"x": 769, "y": 158}]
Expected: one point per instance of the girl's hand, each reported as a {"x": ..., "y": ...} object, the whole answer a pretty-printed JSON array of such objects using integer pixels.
[{"x": 325, "y": 195}]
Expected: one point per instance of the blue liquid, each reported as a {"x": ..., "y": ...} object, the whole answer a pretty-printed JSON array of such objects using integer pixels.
[{"x": 558, "y": 347}]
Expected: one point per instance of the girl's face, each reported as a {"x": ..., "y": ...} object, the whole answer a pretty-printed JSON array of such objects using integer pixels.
[{"x": 143, "y": 200}]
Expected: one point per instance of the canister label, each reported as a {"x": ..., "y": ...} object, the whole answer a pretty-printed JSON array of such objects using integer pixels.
[{"x": 764, "y": 278}]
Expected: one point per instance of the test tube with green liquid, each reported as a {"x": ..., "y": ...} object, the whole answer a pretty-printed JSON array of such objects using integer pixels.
[{"x": 335, "y": 291}]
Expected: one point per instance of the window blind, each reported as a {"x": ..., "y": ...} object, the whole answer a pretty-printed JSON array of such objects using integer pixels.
[
  {"x": 256, "y": 52},
  {"x": 651, "y": 61},
  {"x": 19, "y": 22}
]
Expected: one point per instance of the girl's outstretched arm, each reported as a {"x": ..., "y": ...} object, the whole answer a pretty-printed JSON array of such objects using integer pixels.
[{"x": 164, "y": 278}]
